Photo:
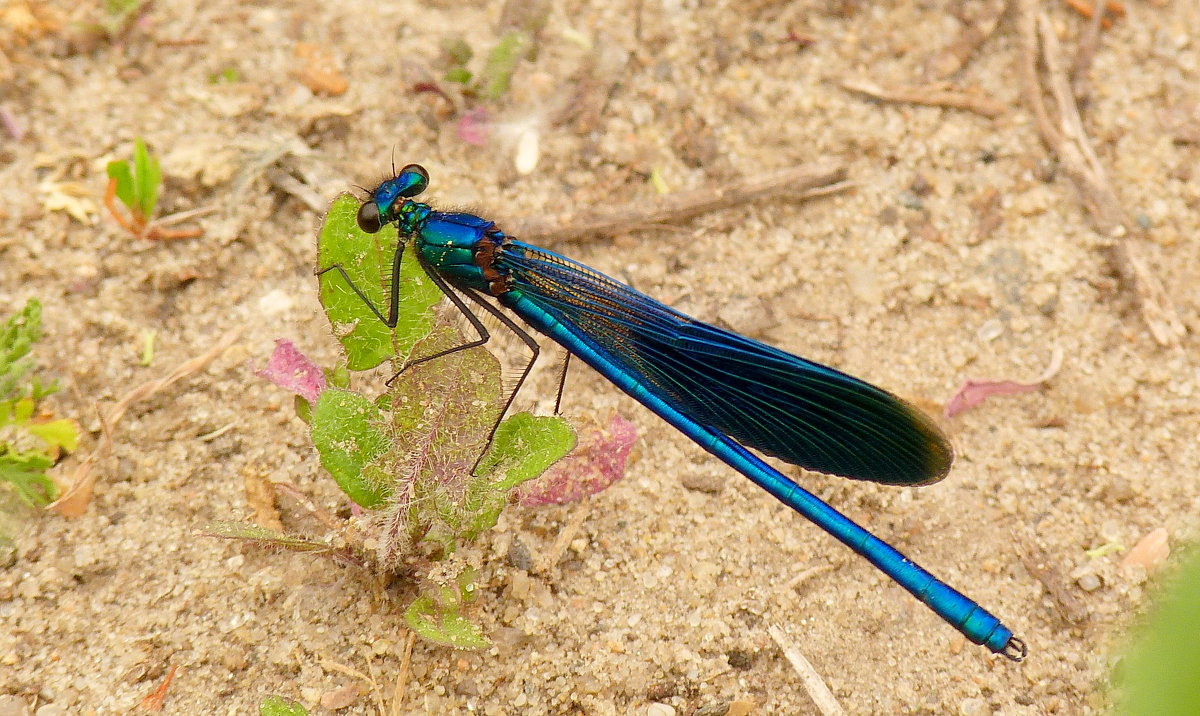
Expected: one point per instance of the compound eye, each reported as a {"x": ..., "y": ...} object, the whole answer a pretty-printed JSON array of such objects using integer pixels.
[
  {"x": 415, "y": 180},
  {"x": 368, "y": 218}
]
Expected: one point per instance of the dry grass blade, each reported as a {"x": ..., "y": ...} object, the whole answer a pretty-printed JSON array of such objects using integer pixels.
[
  {"x": 813, "y": 683},
  {"x": 1065, "y": 137},
  {"x": 930, "y": 95},
  {"x": 976, "y": 30},
  {"x": 680, "y": 206}
]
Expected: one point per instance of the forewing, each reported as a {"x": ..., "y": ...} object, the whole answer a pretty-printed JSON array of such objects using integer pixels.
[{"x": 775, "y": 402}]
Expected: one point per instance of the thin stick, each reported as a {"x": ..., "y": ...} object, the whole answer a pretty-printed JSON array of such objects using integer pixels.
[
  {"x": 74, "y": 501},
  {"x": 678, "y": 207},
  {"x": 975, "y": 32},
  {"x": 1066, "y": 139},
  {"x": 1087, "y": 52},
  {"x": 930, "y": 95},
  {"x": 401, "y": 689},
  {"x": 813, "y": 683}
]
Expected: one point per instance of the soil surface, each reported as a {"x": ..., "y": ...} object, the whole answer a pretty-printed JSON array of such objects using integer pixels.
[{"x": 962, "y": 250}]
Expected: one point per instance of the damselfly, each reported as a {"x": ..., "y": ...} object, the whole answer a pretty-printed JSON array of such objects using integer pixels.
[{"x": 726, "y": 392}]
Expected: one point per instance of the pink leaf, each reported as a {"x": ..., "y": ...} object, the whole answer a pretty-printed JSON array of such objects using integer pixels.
[
  {"x": 973, "y": 392},
  {"x": 289, "y": 368},
  {"x": 595, "y": 465},
  {"x": 474, "y": 126}
]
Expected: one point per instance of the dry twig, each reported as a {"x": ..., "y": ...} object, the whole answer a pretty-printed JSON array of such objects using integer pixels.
[
  {"x": 931, "y": 95},
  {"x": 74, "y": 501},
  {"x": 975, "y": 32},
  {"x": 1065, "y": 137},
  {"x": 681, "y": 206},
  {"x": 813, "y": 683}
]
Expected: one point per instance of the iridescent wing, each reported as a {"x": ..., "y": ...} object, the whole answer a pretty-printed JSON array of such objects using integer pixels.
[{"x": 780, "y": 404}]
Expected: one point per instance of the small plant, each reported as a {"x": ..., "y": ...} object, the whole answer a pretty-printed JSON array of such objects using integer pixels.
[
  {"x": 277, "y": 706},
  {"x": 136, "y": 184},
  {"x": 30, "y": 441},
  {"x": 421, "y": 458}
]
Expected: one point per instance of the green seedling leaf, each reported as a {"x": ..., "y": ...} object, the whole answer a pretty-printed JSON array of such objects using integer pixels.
[
  {"x": 437, "y": 615},
  {"x": 17, "y": 337},
  {"x": 524, "y": 447},
  {"x": 367, "y": 260},
  {"x": 277, "y": 706},
  {"x": 1163, "y": 668},
  {"x": 496, "y": 76},
  {"x": 26, "y": 473},
  {"x": 229, "y": 75},
  {"x": 137, "y": 184},
  {"x": 147, "y": 177},
  {"x": 123, "y": 174},
  {"x": 346, "y": 432},
  {"x": 62, "y": 433}
]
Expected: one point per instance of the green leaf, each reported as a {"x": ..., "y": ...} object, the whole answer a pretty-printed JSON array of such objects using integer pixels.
[
  {"x": 147, "y": 179},
  {"x": 123, "y": 173},
  {"x": 346, "y": 433},
  {"x": 1163, "y": 668},
  {"x": 460, "y": 75},
  {"x": 525, "y": 446},
  {"x": 367, "y": 260},
  {"x": 62, "y": 433},
  {"x": 17, "y": 336},
  {"x": 496, "y": 76},
  {"x": 277, "y": 706},
  {"x": 457, "y": 51},
  {"x": 26, "y": 472},
  {"x": 437, "y": 616}
]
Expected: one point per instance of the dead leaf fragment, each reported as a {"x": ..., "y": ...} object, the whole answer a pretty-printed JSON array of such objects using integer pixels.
[
  {"x": 318, "y": 71},
  {"x": 1150, "y": 551}
]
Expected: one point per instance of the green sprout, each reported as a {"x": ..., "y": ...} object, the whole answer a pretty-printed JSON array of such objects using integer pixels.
[
  {"x": 278, "y": 706},
  {"x": 136, "y": 184}
]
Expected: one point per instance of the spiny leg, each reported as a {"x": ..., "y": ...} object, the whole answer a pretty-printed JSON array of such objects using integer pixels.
[
  {"x": 562, "y": 384},
  {"x": 394, "y": 290},
  {"x": 484, "y": 335}
]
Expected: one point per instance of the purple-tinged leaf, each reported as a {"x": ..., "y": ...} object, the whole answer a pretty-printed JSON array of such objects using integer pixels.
[
  {"x": 973, "y": 392},
  {"x": 474, "y": 127},
  {"x": 596, "y": 464},
  {"x": 290, "y": 369}
]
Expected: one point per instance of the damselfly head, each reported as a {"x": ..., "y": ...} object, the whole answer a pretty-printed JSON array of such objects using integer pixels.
[{"x": 387, "y": 199}]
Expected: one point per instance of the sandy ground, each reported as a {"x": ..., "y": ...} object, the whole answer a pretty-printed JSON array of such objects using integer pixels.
[{"x": 666, "y": 593}]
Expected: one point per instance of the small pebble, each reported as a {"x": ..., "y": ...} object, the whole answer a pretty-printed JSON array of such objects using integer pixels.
[
  {"x": 1089, "y": 582},
  {"x": 740, "y": 658},
  {"x": 13, "y": 705},
  {"x": 990, "y": 330},
  {"x": 660, "y": 709},
  {"x": 703, "y": 481},
  {"x": 909, "y": 200},
  {"x": 973, "y": 707},
  {"x": 519, "y": 556},
  {"x": 340, "y": 698}
]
